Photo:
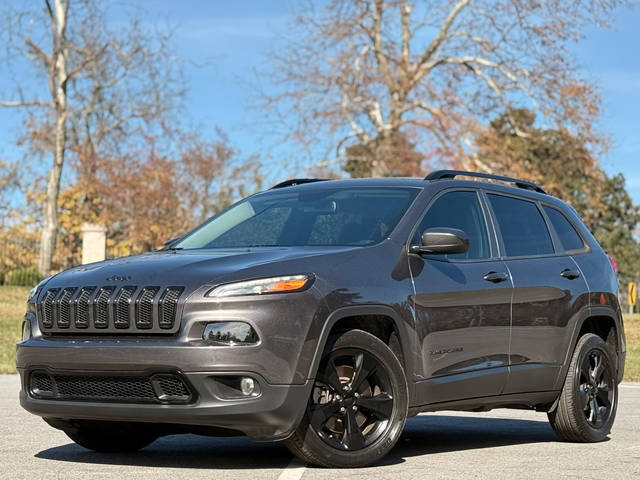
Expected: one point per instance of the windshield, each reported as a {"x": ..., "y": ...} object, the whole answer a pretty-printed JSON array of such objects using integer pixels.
[{"x": 280, "y": 218}]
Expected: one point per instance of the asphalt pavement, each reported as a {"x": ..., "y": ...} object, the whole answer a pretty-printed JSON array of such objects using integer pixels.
[{"x": 509, "y": 444}]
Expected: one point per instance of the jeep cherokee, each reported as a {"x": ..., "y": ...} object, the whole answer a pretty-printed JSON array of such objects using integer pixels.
[{"x": 324, "y": 313}]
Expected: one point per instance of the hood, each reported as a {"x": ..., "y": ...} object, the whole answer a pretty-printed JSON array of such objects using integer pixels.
[{"x": 192, "y": 268}]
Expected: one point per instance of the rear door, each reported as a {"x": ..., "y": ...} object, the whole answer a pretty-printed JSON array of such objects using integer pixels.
[
  {"x": 548, "y": 289},
  {"x": 462, "y": 305}
]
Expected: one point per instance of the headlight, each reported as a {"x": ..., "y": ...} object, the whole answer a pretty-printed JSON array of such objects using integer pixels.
[
  {"x": 36, "y": 290},
  {"x": 261, "y": 286}
]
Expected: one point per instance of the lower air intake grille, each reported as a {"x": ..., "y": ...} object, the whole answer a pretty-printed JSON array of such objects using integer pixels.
[
  {"x": 159, "y": 388},
  {"x": 41, "y": 383}
]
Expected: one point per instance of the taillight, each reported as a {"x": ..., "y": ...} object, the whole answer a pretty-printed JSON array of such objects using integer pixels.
[{"x": 614, "y": 265}]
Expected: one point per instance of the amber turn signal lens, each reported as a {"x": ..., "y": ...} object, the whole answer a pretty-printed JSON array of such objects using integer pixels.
[
  {"x": 287, "y": 286},
  {"x": 260, "y": 286}
]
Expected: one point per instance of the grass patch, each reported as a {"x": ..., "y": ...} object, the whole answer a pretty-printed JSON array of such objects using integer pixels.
[
  {"x": 13, "y": 305},
  {"x": 632, "y": 332}
]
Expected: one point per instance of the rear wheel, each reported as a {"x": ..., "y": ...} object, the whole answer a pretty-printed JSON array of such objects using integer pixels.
[
  {"x": 111, "y": 438},
  {"x": 587, "y": 405},
  {"x": 358, "y": 405}
]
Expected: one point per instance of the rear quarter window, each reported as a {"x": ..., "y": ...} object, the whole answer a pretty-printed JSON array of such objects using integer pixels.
[{"x": 569, "y": 237}]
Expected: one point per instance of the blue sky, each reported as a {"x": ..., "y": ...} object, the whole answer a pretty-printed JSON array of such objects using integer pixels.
[{"x": 235, "y": 36}]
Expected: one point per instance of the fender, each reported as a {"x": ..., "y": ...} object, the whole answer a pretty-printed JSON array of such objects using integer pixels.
[
  {"x": 588, "y": 312},
  {"x": 374, "y": 309}
]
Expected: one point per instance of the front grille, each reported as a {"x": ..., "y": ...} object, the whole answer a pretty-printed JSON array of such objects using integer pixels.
[
  {"x": 168, "y": 306},
  {"x": 158, "y": 388},
  {"x": 101, "y": 307},
  {"x": 123, "y": 307},
  {"x": 110, "y": 309},
  {"x": 144, "y": 307},
  {"x": 63, "y": 308},
  {"x": 47, "y": 308},
  {"x": 81, "y": 305}
]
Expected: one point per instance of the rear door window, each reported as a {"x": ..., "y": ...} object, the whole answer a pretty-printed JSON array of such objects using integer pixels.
[
  {"x": 524, "y": 231},
  {"x": 569, "y": 238}
]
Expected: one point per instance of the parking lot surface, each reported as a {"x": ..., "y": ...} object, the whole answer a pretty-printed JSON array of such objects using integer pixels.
[{"x": 509, "y": 444}]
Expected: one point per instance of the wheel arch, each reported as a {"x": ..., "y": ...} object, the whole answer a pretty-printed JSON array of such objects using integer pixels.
[
  {"x": 381, "y": 321},
  {"x": 605, "y": 322}
]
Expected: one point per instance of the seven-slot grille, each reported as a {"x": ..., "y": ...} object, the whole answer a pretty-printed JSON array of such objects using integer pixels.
[{"x": 110, "y": 309}]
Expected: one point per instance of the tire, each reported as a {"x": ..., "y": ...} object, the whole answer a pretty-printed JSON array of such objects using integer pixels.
[
  {"x": 587, "y": 405},
  {"x": 358, "y": 405},
  {"x": 117, "y": 438}
]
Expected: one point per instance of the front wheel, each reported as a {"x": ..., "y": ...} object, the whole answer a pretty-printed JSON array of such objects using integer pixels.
[
  {"x": 358, "y": 406},
  {"x": 587, "y": 405}
]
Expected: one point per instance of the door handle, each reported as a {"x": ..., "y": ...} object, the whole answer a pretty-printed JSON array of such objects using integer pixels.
[
  {"x": 496, "y": 277},
  {"x": 570, "y": 274}
]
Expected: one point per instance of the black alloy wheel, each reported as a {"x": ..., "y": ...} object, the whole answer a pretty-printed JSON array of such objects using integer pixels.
[
  {"x": 586, "y": 408},
  {"x": 596, "y": 392},
  {"x": 357, "y": 407},
  {"x": 352, "y": 400}
]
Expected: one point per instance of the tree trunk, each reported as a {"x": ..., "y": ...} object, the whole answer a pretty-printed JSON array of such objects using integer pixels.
[
  {"x": 58, "y": 83},
  {"x": 50, "y": 227}
]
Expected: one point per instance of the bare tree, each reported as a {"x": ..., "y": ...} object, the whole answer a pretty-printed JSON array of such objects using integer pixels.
[
  {"x": 101, "y": 86},
  {"x": 9, "y": 182},
  {"x": 362, "y": 72}
]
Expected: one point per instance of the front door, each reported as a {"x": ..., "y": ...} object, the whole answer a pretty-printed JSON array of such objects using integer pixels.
[{"x": 462, "y": 306}]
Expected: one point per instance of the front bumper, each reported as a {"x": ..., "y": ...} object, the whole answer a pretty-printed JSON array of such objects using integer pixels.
[
  {"x": 273, "y": 415},
  {"x": 280, "y": 364}
]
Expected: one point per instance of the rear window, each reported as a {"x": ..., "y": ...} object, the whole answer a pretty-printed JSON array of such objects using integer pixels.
[
  {"x": 569, "y": 238},
  {"x": 524, "y": 231}
]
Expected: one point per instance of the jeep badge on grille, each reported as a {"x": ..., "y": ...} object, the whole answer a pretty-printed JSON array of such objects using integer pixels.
[{"x": 118, "y": 278}]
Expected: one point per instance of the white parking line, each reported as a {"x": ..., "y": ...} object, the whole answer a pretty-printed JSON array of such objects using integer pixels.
[
  {"x": 293, "y": 471},
  {"x": 629, "y": 386}
]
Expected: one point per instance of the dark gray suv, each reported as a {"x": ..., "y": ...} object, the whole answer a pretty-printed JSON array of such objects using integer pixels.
[{"x": 323, "y": 313}]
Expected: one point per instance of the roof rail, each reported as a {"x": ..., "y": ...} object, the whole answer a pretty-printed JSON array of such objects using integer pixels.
[
  {"x": 450, "y": 174},
  {"x": 297, "y": 181}
]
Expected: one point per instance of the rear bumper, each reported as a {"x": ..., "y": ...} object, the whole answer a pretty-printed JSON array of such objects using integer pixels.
[{"x": 272, "y": 415}]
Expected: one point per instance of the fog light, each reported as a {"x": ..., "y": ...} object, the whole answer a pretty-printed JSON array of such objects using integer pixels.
[{"x": 247, "y": 386}]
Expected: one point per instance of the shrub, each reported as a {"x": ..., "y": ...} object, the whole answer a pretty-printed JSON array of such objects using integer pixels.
[{"x": 23, "y": 277}]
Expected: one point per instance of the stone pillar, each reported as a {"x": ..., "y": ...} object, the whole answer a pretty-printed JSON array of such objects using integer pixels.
[{"x": 94, "y": 242}]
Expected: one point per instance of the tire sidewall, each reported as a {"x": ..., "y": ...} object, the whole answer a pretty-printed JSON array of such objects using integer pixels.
[
  {"x": 375, "y": 347},
  {"x": 586, "y": 345}
]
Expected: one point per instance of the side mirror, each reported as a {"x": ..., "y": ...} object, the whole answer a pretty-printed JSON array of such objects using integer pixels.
[
  {"x": 442, "y": 240},
  {"x": 171, "y": 241}
]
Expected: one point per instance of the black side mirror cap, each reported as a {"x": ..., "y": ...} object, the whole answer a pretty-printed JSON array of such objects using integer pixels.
[{"x": 442, "y": 240}]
